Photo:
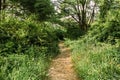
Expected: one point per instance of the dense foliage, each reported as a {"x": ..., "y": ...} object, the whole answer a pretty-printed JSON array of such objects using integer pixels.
[
  {"x": 43, "y": 8},
  {"x": 26, "y": 48},
  {"x": 29, "y": 38},
  {"x": 109, "y": 30},
  {"x": 97, "y": 54}
]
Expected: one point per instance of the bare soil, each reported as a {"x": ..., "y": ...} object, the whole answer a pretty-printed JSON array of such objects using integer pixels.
[{"x": 62, "y": 67}]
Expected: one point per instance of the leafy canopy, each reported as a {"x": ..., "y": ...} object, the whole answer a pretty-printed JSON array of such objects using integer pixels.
[{"x": 43, "y": 8}]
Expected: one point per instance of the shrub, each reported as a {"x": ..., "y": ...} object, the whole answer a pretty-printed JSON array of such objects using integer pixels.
[
  {"x": 107, "y": 31},
  {"x": 26, "y": 47}
]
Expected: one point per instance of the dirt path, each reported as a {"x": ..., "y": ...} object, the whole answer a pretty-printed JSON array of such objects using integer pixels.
[{"x": 61, "y": 67}]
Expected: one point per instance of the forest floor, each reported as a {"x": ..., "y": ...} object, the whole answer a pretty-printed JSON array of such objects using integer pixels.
[{"x": 62, "y": 67}]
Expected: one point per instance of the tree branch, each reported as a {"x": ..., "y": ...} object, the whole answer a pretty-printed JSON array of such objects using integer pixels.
[
  {"x": 92, "y": 15},
  {"x": 74, "y": 18}
]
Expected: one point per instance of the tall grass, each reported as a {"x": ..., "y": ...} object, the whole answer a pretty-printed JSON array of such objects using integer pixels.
[
  {"x": 95, "y": 61},
  {"x": 20, "y": 67}
]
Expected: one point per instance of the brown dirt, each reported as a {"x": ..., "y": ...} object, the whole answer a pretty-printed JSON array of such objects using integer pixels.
[{"x": 61, "y": 67}]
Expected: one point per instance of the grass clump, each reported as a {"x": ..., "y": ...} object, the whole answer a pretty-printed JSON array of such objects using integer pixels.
[
  {"x": 95, "y": 61},
  {"x": 20, "y": 67}
]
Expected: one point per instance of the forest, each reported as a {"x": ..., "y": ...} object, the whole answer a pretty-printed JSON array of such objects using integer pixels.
[{"x": 31, "y": 31}]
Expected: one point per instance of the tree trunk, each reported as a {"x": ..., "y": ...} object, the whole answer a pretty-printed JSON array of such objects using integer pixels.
[
  {"x": 84, "y": 24},
  {"x": 4, "y": 4},
  {"x": 0, "y": 4}
]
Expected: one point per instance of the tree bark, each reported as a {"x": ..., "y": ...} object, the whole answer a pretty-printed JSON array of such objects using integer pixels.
[
  {"x": 4, "y": 4},
  {"x": 84, "y": 24},
  {"x": 0, "y": 4}
]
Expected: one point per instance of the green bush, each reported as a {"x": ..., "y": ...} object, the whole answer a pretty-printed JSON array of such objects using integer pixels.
[
  {"x": 17, "y": 36},
  {"x": 107, "y": 31},
  {"x": 26, "y": 48},
  {"x": 73, "y": 31}
]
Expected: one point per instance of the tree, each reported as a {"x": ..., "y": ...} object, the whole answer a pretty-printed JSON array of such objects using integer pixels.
[
  {"x": 4, "y": 4},
  {"x": 82, "y": 11},
  {"x": 0, "y": 4},
  {"x": 2, "y": 7},
  {"x": 105, "y": 6},
  {"x": 43, "y": 8}
]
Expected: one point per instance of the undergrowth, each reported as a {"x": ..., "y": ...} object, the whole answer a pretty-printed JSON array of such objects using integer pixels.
[
  {"x": 26, "y": 48},
  {"x": 95, "y": 61},
  {"x": 96, "y": 55}
]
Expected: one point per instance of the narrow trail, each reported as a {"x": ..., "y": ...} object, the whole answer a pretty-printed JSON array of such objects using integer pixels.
[{"x": 61, "y": 67}]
